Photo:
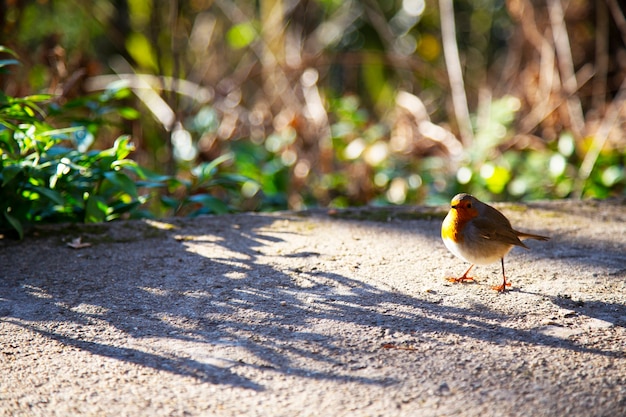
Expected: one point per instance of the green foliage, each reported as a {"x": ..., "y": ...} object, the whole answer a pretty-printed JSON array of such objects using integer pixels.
[
  {"x": 196, "y": 196},
  {"x": 266, "y": 174},
  {"x": 492, "y": 170},
  {"x": 269, "y": 105},
  {"x": 44, "y": 178},
  {"x": 49, "y": 174},
  {"x": 4, "y": 63}
]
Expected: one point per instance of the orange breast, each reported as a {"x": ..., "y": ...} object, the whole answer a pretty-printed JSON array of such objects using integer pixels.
[{"x": 454, "y": 223}]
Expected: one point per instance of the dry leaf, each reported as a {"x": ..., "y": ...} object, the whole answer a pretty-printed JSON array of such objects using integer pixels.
[
  {"x": 398, "y": 347},
  {"x": 77, "y": 244}
]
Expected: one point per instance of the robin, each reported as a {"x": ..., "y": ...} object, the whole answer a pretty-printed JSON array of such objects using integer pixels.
[{"x": 480, "y": 234}]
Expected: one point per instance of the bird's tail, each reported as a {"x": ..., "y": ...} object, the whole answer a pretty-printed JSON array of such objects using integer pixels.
[{"x": 523, "y": 235}]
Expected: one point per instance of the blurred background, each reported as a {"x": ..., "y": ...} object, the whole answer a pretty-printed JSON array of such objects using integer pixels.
[{"x": 290, "y": 104}]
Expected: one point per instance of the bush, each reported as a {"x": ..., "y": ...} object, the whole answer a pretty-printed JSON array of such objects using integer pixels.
[
  {"x": 48, "y": 174},
  {"x": 45, "y": 178}
]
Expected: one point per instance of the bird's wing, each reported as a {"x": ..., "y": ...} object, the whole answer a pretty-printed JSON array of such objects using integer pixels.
[{"x": 496, "y": 229}]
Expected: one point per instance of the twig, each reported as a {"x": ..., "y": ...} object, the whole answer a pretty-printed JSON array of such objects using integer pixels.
[
  {"x": 412, "y": 104},
  {"x": 264, "y": 54},
  {"x": 539, "y": 114},
  {"x": 149, "y": 96},
  {"x": 598, "y": 99},
  {"x": 566, "y": 66},
  {"x": 133, "y": 81},
  {"x": 618, "y": 17},
  {"x": 455, "y": 73}
]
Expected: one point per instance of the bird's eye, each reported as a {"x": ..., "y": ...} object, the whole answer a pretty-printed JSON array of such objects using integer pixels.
[{"x": 469, "y": 205}]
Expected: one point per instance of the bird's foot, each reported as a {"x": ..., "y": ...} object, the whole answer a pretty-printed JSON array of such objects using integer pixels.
[
  {"x": 501, "y": 287},
  {"x": 464, "y": 278}
]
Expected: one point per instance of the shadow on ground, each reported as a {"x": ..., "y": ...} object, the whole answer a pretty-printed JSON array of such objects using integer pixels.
[{"x": 233, "y": 298}]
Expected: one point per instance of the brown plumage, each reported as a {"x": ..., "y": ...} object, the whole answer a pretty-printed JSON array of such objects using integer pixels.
[{"x": 480, "y": 234}]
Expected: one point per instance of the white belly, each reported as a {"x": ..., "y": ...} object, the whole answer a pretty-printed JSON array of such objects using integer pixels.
[{"x": 482, "y": 253}]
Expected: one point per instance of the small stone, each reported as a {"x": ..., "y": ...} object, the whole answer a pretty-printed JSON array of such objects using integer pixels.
[{"x": 596, "y": 323}]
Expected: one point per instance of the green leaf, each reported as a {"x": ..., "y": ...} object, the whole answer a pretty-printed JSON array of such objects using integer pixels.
[
  {"x": 120, "y": 208},
  {"x": 150, "y": 184},
  {"x": 117, "y": 89},
  {"x": 50, "y": 194},
  {"x": 206, "y": 170},
  {"x": 105, "y": 161},
  {"x": 141, "y": 50},
  {"x": 241, "y": 35},
  {"x": 128, "y": 113},
  {"x": 125, "y": 165},
  {"x": 170, "y": 202},
  {"x": 147, "y": 174},
  {"x": 61, "y": 133},
  {"x": 7, "y": 62},
  {"x": 9, "y": 172},
  {"x": 8, "y": 51},
  {"x": 174, "y": 183},
  {"x": 498, "y": 179},
  {"x": 214, "y": 204},
  {"x": 35, "y": 98},
  {"x": 95, "y": 210},
  {"x": 15, "y": 223},
  {"x": 123, "y": 182},
  {"x": 232, "y": 179},
  {"x": 122, "y": 147}
]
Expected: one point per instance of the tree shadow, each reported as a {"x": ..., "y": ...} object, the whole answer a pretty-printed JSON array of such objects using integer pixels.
[
  {"x": 612, "y": 313},
  {"x": 182, "y": 366},
  {"x": 204, "y": 284},
  {"x": 599, "y": 250}
]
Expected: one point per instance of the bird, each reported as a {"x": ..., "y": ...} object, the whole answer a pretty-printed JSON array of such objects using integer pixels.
[{"x": 480, "y": 234}]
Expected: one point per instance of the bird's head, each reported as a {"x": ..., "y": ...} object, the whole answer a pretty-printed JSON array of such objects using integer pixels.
[{"x": 465, "y": 206}]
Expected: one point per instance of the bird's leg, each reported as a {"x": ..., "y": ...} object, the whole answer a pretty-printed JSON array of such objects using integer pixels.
[
  {"x": 463, "y": 278},
  {"x": 502, "y": 288}
]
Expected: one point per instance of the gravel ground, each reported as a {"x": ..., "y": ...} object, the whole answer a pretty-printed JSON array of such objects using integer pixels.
[{"x": 340, "y": 313}]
